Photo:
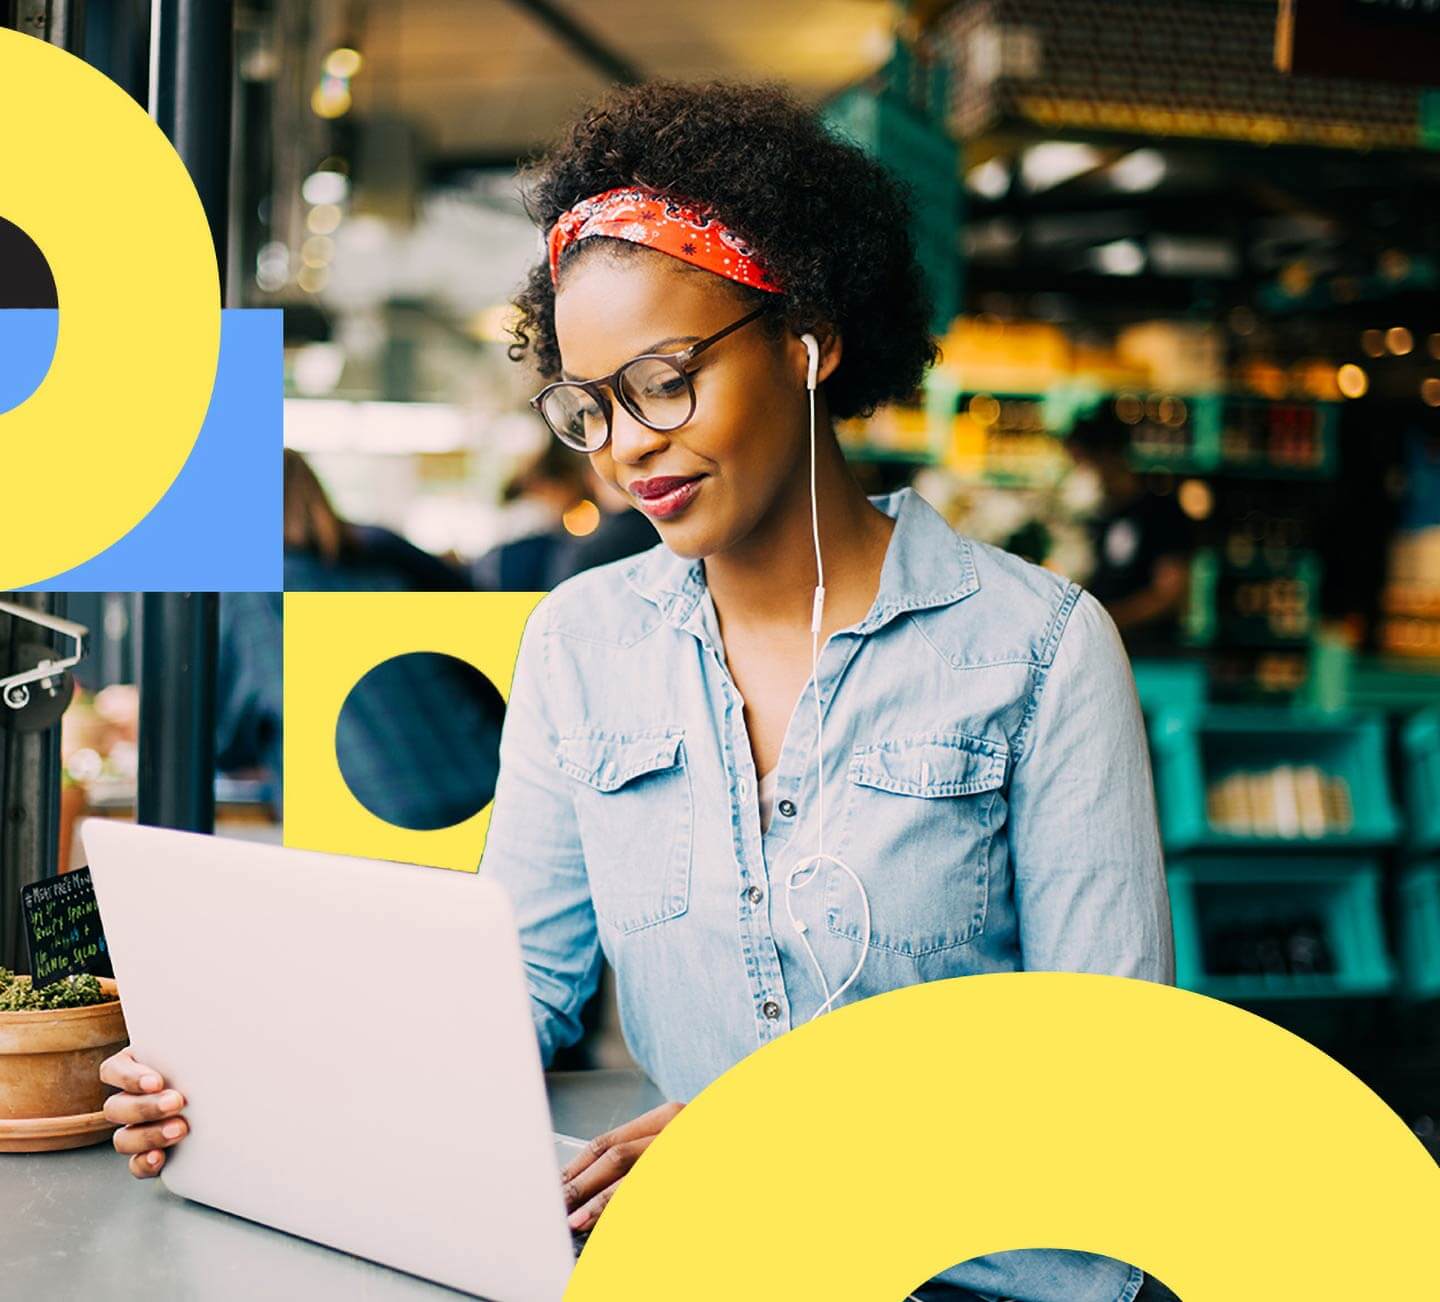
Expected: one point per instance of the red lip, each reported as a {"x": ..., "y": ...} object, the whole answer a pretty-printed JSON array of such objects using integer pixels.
[
  {"x": 659, "y": 486},
  {"x": 666, "y": 495}
]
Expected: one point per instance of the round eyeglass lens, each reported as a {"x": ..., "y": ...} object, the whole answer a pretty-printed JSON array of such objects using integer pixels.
[
  {"x": 575, "y": 416},
  {"x": 660, "y": 391}
]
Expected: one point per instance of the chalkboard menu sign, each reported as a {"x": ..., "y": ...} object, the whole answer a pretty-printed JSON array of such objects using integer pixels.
[{"x": 62, "y": 926}]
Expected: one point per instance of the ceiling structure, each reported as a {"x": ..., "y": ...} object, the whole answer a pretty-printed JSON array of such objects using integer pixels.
[
  {"x": 491, "y": 80},
  {"x": 1121, "y": 227}
]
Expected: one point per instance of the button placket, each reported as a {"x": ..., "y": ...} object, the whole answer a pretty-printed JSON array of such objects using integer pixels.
[{"x": 755, "y": 921}]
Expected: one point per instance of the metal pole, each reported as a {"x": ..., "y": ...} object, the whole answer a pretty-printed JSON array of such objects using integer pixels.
[
  {"x": 191, "y": 74},
  {"x": 29, "y": 788},
  {"x": 192, "y": 59},
  {"x": 179, "y": 633},
  {"x": 67, "y": 25},
  {"x": 117, "y": 42}
]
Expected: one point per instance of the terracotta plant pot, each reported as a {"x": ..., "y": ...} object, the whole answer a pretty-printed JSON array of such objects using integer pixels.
[
  {"x": 51, "y": 1094},
  {"x": 72, "y": 807}
]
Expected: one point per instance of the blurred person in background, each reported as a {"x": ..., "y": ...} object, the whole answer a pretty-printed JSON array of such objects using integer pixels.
[
  {"x": 1143, "y": 541},
  {"x": 249, "y": 700},
  {"x": 325, "y": 553},
  {"x": 564, "y": 482},
  {"x": 621, "y": 532},
  {"x": 541, "y": 491}
]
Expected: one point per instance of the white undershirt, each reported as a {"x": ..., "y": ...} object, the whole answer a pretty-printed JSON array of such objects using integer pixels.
[{"x": 767, "y": 798}]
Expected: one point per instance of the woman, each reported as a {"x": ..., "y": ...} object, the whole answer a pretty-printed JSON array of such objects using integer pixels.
[{"x": 985, "y": 777}]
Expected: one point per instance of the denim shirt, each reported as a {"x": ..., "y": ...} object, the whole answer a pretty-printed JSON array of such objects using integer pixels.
[{"x": 986, "y": 776}]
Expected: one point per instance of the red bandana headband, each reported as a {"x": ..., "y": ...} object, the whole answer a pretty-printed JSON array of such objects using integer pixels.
[{"x": 645, "y": 216}]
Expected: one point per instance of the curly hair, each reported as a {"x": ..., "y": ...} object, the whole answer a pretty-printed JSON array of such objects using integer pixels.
[{"x": 831, "y": 223}]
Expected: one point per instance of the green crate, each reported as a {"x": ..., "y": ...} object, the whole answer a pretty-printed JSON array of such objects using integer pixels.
[
  {"x": 1393, "y": 684},
  {"x": 1420, "y": 743},
  {"x": 922, "y": 154},
  {"x": 1170, "y": 684},
  {"x": 1193, "y": 749},
  {"x": 1210, "y": 897},
  {"x": 1341, "y": 679},
  {"x": 1420, "y": 931}
]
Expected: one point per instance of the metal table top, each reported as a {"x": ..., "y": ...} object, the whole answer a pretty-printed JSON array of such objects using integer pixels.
[{"x": 77, "y": 1224}]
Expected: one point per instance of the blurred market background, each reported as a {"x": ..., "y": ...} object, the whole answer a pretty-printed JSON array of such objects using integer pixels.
[{"x": 1184, "y": 261}]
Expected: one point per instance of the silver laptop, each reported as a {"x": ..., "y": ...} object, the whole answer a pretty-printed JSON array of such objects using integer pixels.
[{"x": 380, "y": 1005}]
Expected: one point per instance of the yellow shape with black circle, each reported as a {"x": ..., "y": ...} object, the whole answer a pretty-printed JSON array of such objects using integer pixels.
[
  {"x": 864, "y": 1153},
  {"x": 332, "y": 640},
  {"x": 92, "y": 180}
]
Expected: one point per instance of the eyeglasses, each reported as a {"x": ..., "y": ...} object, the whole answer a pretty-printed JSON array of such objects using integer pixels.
[{"x": 655, "y": 388}]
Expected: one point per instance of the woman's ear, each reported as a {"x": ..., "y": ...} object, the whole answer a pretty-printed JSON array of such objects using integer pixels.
[
  {"x": 829, "y": 344},
  {"x": 830, "y": 347}
]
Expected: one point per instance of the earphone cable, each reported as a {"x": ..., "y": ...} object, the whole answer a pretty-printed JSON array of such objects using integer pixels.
[{"x": 814, "y": 861}]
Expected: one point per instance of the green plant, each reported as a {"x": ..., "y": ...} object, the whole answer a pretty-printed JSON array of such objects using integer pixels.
[{"x": 17, "y": 995}]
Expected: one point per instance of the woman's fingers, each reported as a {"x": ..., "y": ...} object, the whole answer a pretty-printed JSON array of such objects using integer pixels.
[
  {"x": 145, "y": 1165},
  {"x": 135, "y": 1109},
  {"x": 648, "y": 1123},
  {"x": 586, "y": 1216},
  {"x": 146, "y": 1112},
  {"x": 121, "y": 1070},
  {"x": 604, "y": 1171},
  {"x": 599, "y": 1177},
  {"x": 141, "y": 1139},
  {"x": 590, "y": 1178}
]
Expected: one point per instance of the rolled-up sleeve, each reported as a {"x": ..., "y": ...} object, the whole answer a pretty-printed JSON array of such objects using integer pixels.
[
  {"x": 533, "y": 850},
  {"x": 1084, "y": 839}
]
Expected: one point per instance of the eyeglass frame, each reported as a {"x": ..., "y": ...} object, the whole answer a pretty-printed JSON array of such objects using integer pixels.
[{"x": 678, "y": 361}]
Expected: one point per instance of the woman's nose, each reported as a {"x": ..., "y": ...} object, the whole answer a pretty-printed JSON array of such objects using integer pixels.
[{"x": 631, "y": 441}]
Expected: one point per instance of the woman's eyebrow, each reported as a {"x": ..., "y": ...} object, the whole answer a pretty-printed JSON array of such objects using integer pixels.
[{"x": 649, "y": 348}]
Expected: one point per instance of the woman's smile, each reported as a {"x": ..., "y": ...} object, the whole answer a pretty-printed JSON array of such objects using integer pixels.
[{"x": 665, "y": 495}]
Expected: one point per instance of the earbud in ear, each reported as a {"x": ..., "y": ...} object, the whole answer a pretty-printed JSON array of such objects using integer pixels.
[{"x": 813, "y": 349}]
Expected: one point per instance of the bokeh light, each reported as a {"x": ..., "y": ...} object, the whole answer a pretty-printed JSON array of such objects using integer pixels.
[{"x": 1352, "y": 380}]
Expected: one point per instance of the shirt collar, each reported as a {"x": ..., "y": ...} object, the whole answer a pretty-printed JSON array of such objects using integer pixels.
[{"x": 926, "y": 564}]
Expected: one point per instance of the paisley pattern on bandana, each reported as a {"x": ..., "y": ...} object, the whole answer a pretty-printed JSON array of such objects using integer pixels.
[{"x": 678, "y": 227}]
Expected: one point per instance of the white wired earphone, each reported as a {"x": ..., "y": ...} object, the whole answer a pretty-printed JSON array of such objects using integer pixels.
[
  {"x": 813, "y": 862},
  {"x": 810, "y": 864}
]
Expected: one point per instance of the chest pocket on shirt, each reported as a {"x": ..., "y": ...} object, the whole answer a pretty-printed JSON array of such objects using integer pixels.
[
  {"x": 921, "y": 814},
  {"x": 635, "y": 814}
]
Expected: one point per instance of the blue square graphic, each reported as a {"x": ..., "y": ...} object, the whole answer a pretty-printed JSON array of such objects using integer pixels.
[{"x": 219, "y": 527}]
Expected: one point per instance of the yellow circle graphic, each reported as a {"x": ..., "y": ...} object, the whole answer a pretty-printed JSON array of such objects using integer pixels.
[
  {"x": 866, "y": 1152},
  {"x": 332, "y": 640},
  {"x": 93, "y": 181}
]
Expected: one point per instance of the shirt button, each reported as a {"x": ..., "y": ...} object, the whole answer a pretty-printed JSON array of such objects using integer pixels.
[
  {"x": 771, "y": 1009},
  {"x": 787, "y": 808},
  {"x": 754, "y": 895}
]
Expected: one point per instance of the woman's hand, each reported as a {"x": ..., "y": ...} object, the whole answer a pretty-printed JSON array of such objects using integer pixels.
[
  {"x": 148, "y": 1114},
  {"x": 592, "y": 1178}
]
